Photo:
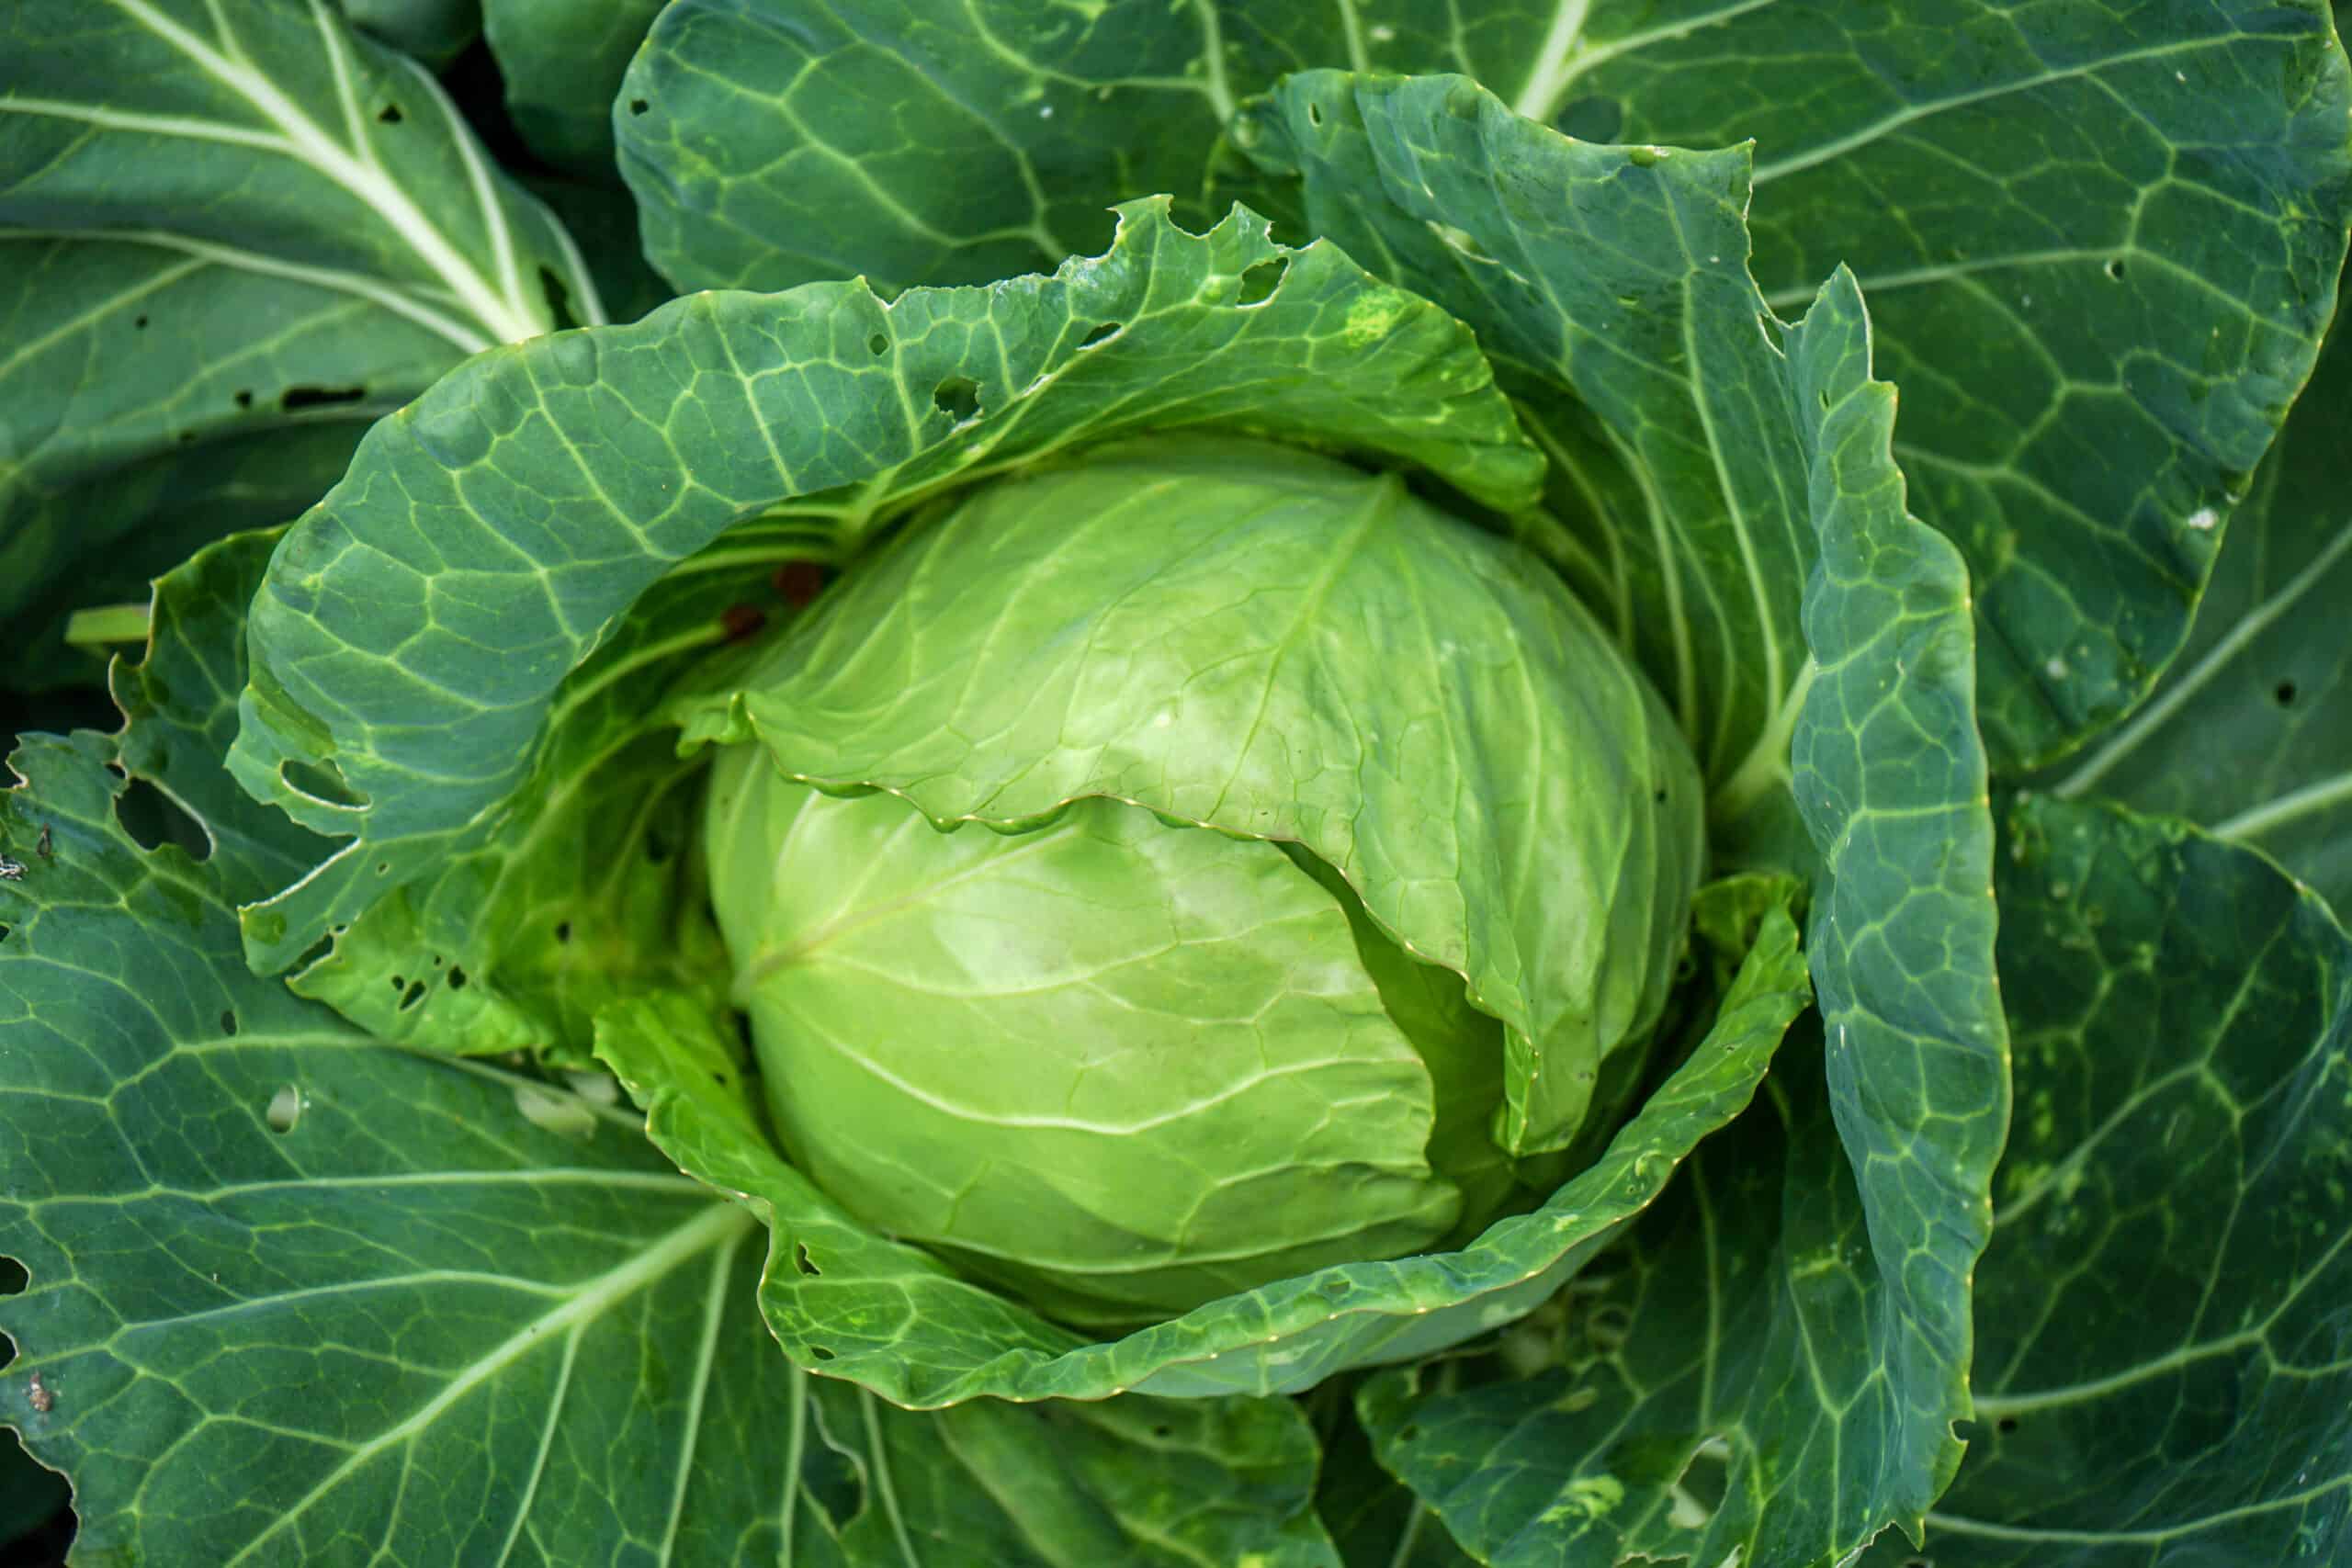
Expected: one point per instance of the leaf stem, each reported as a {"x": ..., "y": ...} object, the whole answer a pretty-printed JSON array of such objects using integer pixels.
[
  {"x": 1766, "y": 766},
  {"x": 1549, "y": 76},
  {"x": 2313, "y": 797},
  {"x": 2195, "y": 678},
  {"x": 104, "y": 625}
]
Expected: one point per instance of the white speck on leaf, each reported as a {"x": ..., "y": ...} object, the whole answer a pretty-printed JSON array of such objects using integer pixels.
[
  {"x": 2055, "y": 669},
  {"x": 601, "y": 1088},
  {"x": 549, "y": 1111},
  {"x": 2204, "y": 518}
]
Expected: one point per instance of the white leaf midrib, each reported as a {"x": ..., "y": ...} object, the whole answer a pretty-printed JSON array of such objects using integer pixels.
[
  {"x": 1910, "y": 113},
  {"x": 1548, "y": 77},
  {"x": 294, "y": 134},
  {"x": 716, "y": 1227},
  {"x": 2321, "y": 796},
  {"x": 1965, "y": 1525},
  {"x": 376, "y": 292},
  {"x": 2257, "y": 618},
  {"x": 714, "y": 1322}
]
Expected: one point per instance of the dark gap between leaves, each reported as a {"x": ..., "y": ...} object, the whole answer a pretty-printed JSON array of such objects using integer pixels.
[
  {"x": 296, "y": 399},
  {"x": 558, "y": 299}
]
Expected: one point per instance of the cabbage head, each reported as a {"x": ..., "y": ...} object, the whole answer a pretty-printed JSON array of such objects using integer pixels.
[{"x": 1192, "y": 866}]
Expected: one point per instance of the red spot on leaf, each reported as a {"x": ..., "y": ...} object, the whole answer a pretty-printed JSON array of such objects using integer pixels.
[
  {"x": 798, "y": 582},
  {"x": 742, "y": 622}
]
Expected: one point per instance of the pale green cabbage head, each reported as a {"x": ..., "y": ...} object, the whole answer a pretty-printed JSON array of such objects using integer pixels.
[{"x": 1196, "y": 867}]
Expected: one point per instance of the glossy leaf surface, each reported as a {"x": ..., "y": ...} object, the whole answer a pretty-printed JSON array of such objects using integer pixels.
[
  {"x": 895, "y": 1319},
  {"x": 1773, "y": 1369},
  {"x": 334, "y": 238},
  {"x": 562, "y": 63},
  {"x": 2036, "y": 197},
  {"x": 297, "y": 1292},
  {"x": 1609, "y": 284},
  {"x": 2162, "y": 1370},
  {"x": 1884, "y": 762},
  {"x": 1720, "y": 1384},
  {"x": 418, "y": 624},
  {"x": 1890, "y": 780},
  {"x": 2251, "y": 733},
  {"x": 1280, "y": 647}
]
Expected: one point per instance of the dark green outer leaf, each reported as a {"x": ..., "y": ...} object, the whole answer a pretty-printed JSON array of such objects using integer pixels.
[
  {"x": 562, "y": 63},
  {"x": 1722, "y": 1385},
  {"x": 297, "y": 1295},
  {"x": 776, "y": 141},
  {"x": 232, "y": 237},
  {"x": 295, "y": 148},
  {"x": 771, "y": 142},
  {"x": 850, "y": 1304},
  {"x": 1156, "y": 1483},
  {"x": 957, "y": 140},
  {"x": 255, "y": 1344},
  {"x": 1774, "y": 1373},
  {"x": 2164, "y": 1367},
  {"x": 306, "y": 1322},
  {"x": 417, "y": 625},
  {"x": 2250, "y": 733},
  {"x": 436, "y": 31},
  {"x": 179, "y": 705},
  {"x": 585, "y": 888},
  {"x": 110, "y": 530},
  {"x": 1890, "y": 780},
  {"x": 2100, "y": 244},
  {"x": 2102, "y": 239},
  {"x": 1374, "y": 1520}
]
